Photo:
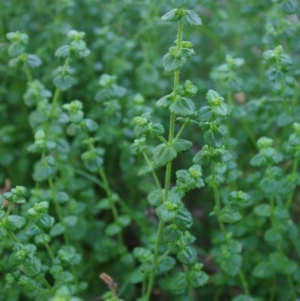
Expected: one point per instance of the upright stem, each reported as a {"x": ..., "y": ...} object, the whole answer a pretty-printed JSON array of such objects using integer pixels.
[
  {"x": 273, "y": 289},
  {"x": 50, "y": 253},
  {"x": 112, "y": 205},
  {"x": 292, "y": 288},
  {"x": 218, "y": 203},
  {"x": 56, "y": 95},
  {"x": 168, "y": 169},
  {"x": 155, "y": 261},
  {"x": 294, "y": 172},
  {"x": 244, "y": 283},
  {"x": 46, "y": 283},
  {"x": 27, "y": 72},
  {"x": 190, "y": 292}
]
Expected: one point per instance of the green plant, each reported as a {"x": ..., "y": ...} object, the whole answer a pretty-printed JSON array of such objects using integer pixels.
[{"x": 123, "y": 163}]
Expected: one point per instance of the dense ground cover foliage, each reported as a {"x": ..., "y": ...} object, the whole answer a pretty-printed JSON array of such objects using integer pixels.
[{"x": 149, "y": 150}]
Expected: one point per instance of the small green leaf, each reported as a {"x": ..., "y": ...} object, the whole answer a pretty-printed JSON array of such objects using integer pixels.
[
  {"x": 281, "y": 214},
  {"x": 45, "y": 221},
  {"x": 142, "y": 254},
  {"x": 214, "y": 138},
  {"x": 182, "y": 145},
  {"x": 31, "y": 266},
  {"x": 171, "y": 233},
  {"x": 165, "y": 101},
  {"x": 272, "y": 236},
  {"x": 15, "y": 222},
  {"x": 172, "y": 63},
  {"x": 258, "y": 160},
  {"x": 229, "y": 216},
  {"x": 279, "y": 262},
  {"x": 2, "y": 234},
  {"x": 61, "y": 197},
  {"x": 191, "y": 18},
  {"x": 268, "y": 185},
  {"x": 93, "y": 159},
  {"x": 63, "y": 82},
  {"x": 198, "y": 278},
  {"x": 263, "y": 210},
  {"x": 33, "y": 61},
  {"x": 166, "y": 264},
  {"x": 183, "y": 107},
  {"x": 40, "y": 240},
  {"x": 289, "y": 6},
  {"x": 171, "y": 16},
  {"x": 205, "y": 114},
  {"x": 137, "y": 276},
  {"x": 166, "y": 211},
  {"x": 63, "y": 51},
  {"x": 231, "y": 263},
  {"x": 89, "y": 124},
  {"x": 103, "y": 204},
  {"x": 183, "y": 219},
  {"x": 112, "y": 229},
  {"x": 123, "y": 221},
  {"x": 187, "y": 256},
  {"x": 57, "y": 229},
  {"x": 15, "y": 49},
  {"x": 155, "y": 198},
  {"x": 178, "y": 282},
  {"x": 163, "y": 154},
  {"x": 221, "y": 110},
  {"x": 70, "y": 221},
  {"x": 263, "y": 270}
]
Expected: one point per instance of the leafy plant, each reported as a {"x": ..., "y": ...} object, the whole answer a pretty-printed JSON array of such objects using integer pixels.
[{"x": 130, "y": 174}]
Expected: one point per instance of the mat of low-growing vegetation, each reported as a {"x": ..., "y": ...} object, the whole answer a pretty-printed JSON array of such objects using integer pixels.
[{"x": 149, "y": 150}]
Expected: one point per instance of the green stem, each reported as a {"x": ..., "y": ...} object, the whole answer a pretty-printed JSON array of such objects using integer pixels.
[
  {"x": 295, "y": 98},
  {"x": 272, "y": 202},
  {"x": 292, "y": 288},
  {"x": 244, "y": 283},
  {"x": 217, "y": 202},
  {"x": 273, "y": 290},
  {"x": 190, "y": 292},
  {"x": 151, "y": 278},
  {"x": 11, "y": 234},
  {"x": 180, "y": 132},
  {"x": 157, "y": 183},
  {"x": 112, "y": 205},
  {"x": 46, "y": 283},
  {"x": 248, "y": 131},
  {"x": 120, "y": 201},
  {"x": 27, "y": 72},
  {"x": 8, "y": 212},
  {"x": 162, "y": 139},
  {"x": 294, "y": 173},
  {"x": 168, "y": 169},
  {"x": 90, "y": 177},
  {"x": 56, "y": 96},
  {"x": 50, "y": 253},
  {"x": 164, "y": 255},
  {"x": 144, "y": 286},
  {"x": 230, "y": 103},
  {"x": 218, "y": 293}
]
